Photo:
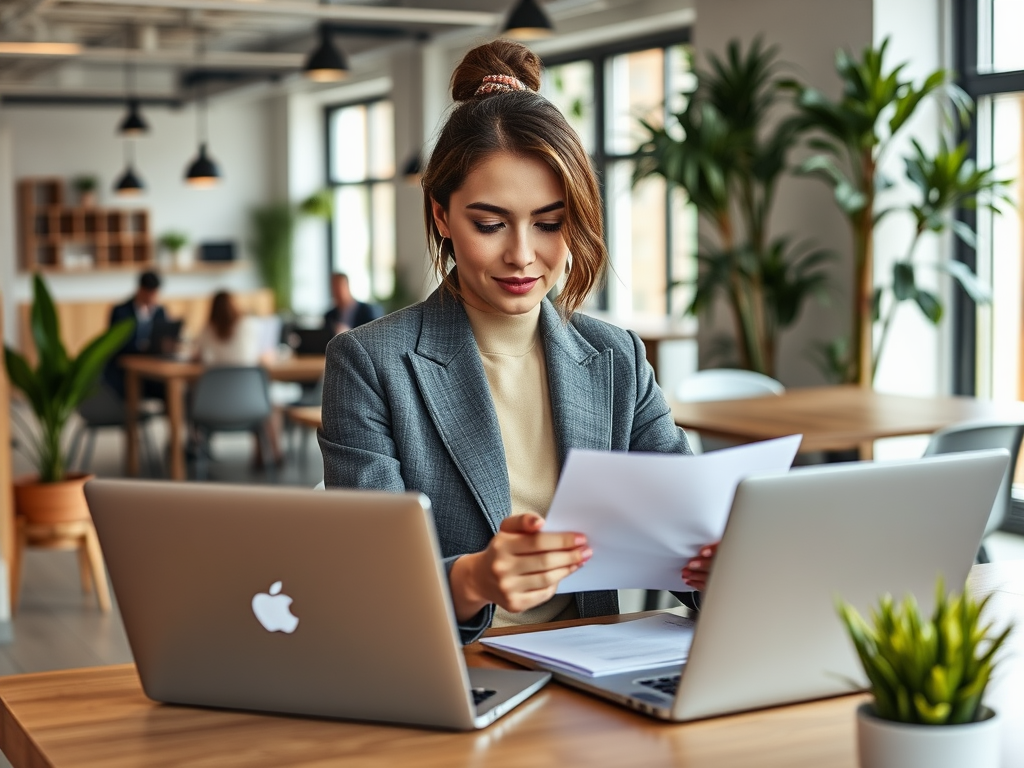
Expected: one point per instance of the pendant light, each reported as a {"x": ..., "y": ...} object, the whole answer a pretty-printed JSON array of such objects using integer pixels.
[
  {"x": 129, "y": 185},
  {"x": 327, "y": 64},
  {"x": 528, "y": 21},
  {"x": 202, "y": 172},
  {"x": 133, "y": 123}
]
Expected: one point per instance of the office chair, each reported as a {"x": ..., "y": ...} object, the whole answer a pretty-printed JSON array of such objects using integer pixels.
[
  {"x": 310, "y": 396},
  {"x": 104, "y": 409},
  {"x": 231, "y": 399},
  {"x": 977, "y": 436}
]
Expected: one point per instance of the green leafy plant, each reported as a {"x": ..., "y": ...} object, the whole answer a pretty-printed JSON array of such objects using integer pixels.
[
  {"x": 273, "y": 229},
  {"x": 173, "y": 240},
  {"x": 927, "y": 671},
  {"x": 852, "y": 137},
  {"x": 85, "y": 183},
  {"x": 725, "y": 150},
  {"x": 59, "y": 382}
]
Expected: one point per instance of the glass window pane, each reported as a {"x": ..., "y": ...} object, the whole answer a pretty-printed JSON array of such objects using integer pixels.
[
  {"x": 1007, "y": 19},
  {"x": 570, "y": 87},
  {"x": 681, "y": 79},
  {"x": 383, "y": 275},
  {"x": 636, "y": 88},
  {"x": 682, "y": 261},
  {"x": 382, "y": 140},
  {"x": 636, "y": 237},
  {"x": 348, "y": 141},
  {"x": 1002, "y": 257},
  {"x": 352, "y": 236}
]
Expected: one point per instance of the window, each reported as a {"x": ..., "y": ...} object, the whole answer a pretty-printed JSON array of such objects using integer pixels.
[
  {"x": 361, "y": 172},
  {"x": 651, "y": 232},
  {"x": 989, "y": 339}
]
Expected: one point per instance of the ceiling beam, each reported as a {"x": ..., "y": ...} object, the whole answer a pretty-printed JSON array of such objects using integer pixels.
[
  {"x": 235, "y": 60},
  {"x": 352, "y": 13}
]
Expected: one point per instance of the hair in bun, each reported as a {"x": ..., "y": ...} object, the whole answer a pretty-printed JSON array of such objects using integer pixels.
[
  {"x": 498, "y": 109},
  {"x": 501, "y": 57}
]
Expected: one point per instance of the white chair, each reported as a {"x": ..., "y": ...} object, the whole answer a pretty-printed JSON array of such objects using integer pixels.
[
  {"x": 723, "y": 384},
  {"x": 977, "y": 436}
]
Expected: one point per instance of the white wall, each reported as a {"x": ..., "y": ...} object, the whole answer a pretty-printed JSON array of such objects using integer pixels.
[{"x": 68, "y": 141}]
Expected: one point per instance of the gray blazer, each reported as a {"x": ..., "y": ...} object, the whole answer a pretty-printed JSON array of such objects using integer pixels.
[{"x": 406, "y": 407}]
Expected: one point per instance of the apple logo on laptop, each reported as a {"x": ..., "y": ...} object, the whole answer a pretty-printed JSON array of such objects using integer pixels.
[{"x": 274, "y": 611}]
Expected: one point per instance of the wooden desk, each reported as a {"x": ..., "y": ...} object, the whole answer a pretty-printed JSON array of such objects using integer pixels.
[
  {"x": 836, "y": 418},
  {"x": 307, "y": 415},
  {"x": 175, "y": 375},
  {"x": 100, "y": 717}
]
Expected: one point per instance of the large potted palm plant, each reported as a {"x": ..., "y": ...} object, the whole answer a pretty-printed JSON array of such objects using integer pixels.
[
  {"x": 851, "y": 136},
  {"x": 727, "y": 152},
  {"x": 54, "y": 388}
]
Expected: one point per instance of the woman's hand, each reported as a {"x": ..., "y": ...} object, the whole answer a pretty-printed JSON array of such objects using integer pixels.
[
  {"x": 520, "y": 568},
  {"x": 695, "y": 572}
]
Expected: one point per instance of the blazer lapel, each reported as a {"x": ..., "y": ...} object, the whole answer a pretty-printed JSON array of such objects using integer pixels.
[
  {"x": 580, "y": 381},
  {"x": 447, "y": 367}
]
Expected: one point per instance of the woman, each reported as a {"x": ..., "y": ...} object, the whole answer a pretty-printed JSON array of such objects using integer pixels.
[
  {"x": 476, "y": 395},
  {"x": 232, "y": 338}
]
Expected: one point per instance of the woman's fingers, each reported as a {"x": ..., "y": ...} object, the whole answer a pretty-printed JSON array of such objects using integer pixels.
[{"x": 696, "y": 570}]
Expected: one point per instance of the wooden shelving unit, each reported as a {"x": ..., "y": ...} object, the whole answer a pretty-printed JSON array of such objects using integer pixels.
[{"x": 55, "y": 237}]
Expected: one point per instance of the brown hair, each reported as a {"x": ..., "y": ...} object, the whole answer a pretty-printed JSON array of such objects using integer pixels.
[
  {"x": 224, "y": 315},
  {"x": 523, "y": 123}
]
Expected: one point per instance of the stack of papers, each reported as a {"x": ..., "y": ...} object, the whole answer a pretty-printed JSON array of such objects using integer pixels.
[{"x": 604, "y": 649}]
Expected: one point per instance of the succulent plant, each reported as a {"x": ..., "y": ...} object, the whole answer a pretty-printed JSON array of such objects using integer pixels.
[{"x": 931, "y": 672}]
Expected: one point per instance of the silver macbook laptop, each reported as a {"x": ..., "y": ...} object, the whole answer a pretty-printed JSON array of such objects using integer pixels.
[
  {"x": 293, "y": 601},
  {"x": 768, "y": 632}
]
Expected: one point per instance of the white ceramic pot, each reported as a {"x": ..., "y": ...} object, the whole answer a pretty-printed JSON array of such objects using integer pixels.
[{"x": 887, "y": 744}]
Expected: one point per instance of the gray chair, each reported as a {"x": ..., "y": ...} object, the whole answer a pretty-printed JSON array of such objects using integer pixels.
[
  {"x": 977, "y": 436},
  {"x": 104, "y": 409},
  {"x": 231, "y": 399}
]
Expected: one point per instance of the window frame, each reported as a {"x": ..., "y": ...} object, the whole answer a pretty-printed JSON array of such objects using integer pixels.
[
  {"x": 367, "y": 183},
  {"x": 977, "y": 85},
  {"x": 598, "y": 57}
]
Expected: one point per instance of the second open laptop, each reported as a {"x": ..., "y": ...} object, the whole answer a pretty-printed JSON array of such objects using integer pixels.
[
  {"x": 768, "y": 632},
  {"x": 294, "y": 601}
]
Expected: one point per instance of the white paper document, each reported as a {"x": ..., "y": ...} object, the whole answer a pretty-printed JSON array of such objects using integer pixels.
[
  {"x": 646, "y": 514},
  {"x": 605, "y": 649}
]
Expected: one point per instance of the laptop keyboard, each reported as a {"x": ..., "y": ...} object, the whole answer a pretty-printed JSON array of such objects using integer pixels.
[
  {"x": 666, "y": 685},
  {"x": 480, "y": 695}
]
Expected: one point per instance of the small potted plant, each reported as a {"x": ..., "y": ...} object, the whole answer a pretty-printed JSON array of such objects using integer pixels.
[
  {"x": 173, "y": 242},
  {"x": 86, "y": 187},
  {"x": 54, "y": 389},
  {"x": 927, "y": 677}
]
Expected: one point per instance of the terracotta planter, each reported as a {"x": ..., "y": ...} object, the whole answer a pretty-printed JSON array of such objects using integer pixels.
[
  {"x": 886, "y": 744},
  {"x": 50, "y": 503}
]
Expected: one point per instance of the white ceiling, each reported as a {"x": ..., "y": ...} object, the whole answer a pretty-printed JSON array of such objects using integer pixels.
[{"x": 241, "y": 40}]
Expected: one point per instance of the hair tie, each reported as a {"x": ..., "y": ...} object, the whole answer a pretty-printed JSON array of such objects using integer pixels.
[{"x": 499, "y": 83}]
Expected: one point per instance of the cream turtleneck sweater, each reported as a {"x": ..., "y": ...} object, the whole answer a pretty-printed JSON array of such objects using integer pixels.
[{"x": 513, "y": 358}]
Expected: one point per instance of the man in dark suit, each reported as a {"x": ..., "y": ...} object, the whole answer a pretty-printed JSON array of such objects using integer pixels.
[
  {"x": 347, "y": 312},
  {"x": 148, "y": 314}
]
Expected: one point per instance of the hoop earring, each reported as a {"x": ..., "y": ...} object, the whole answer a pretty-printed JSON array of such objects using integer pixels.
[{"x": 440, "y": 245}]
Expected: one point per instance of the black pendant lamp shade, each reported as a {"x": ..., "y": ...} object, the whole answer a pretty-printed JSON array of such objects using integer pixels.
[
  {"x": 528, "y": 21},
  {"x": 129, "y": 184},
  {"x": 413, "y": 168},
  {"x": 133, "y": 123},
  {"x": 326, "y": 64},
  {"x": 202, "y": 172}
]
